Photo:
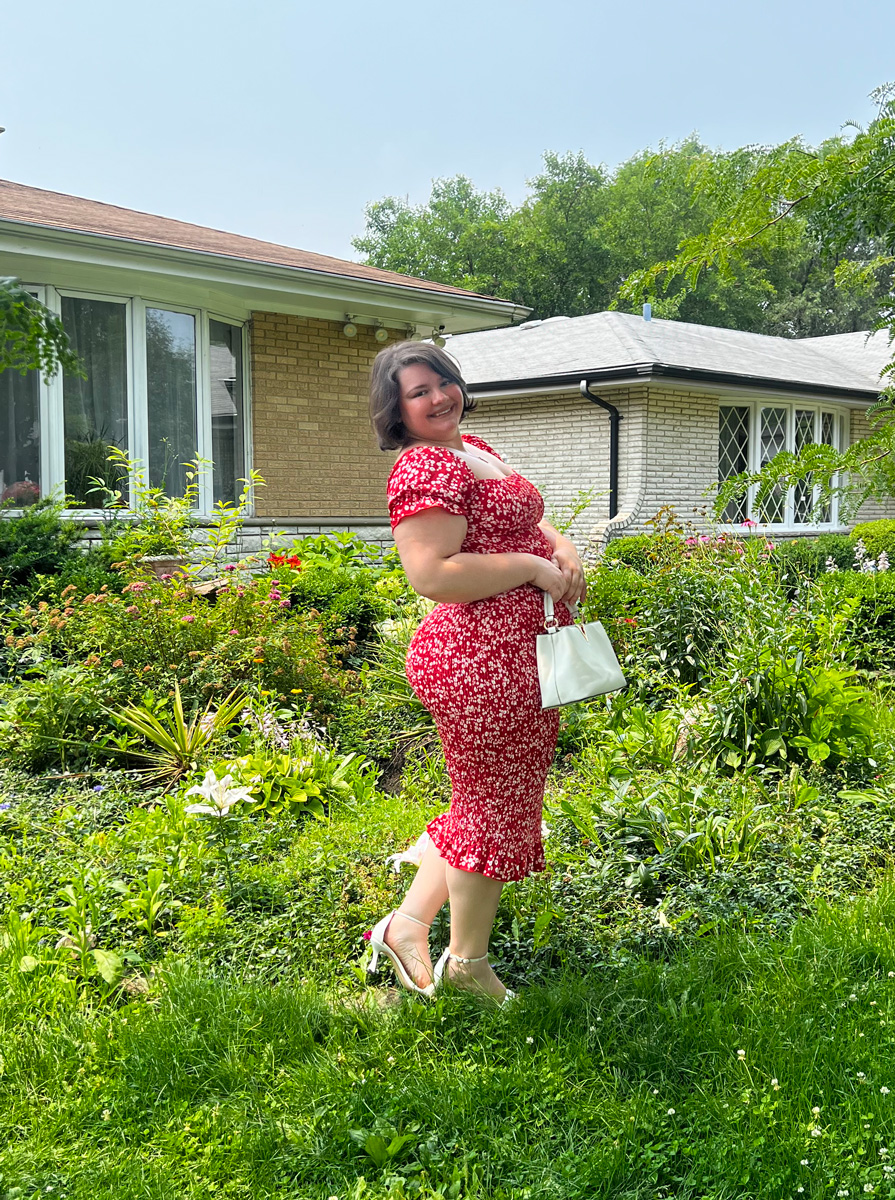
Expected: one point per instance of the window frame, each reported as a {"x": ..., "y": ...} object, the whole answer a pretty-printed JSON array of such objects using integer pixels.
[
  {"x": 755, "y": 405},
  {"x": 50, "y": 392}
]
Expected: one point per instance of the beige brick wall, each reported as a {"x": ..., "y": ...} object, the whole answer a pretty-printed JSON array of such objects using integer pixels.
[
  {"x": 312, "y": 440},
  {"x": 682, "y": 455}
]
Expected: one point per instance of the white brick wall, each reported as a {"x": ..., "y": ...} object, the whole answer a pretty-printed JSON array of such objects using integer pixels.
[
  {"x": 873, "y": 510},
  {"x": 561, "y": 443}
]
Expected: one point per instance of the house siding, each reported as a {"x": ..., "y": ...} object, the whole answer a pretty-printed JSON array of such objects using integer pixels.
[
  {"x": 873, "y": 510},
  {"x": 561, "y": 443},
  {"x": 312, "y": 440}
]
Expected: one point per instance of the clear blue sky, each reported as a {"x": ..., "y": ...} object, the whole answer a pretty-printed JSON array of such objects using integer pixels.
[{"x": 281, "y": 119}]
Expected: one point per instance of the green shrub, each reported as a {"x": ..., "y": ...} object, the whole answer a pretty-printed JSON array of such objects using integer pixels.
[
  {"x": 50, "y": 719},
  {"x": 349, "y": 604},
  {"x": 153, "y": 635},
  {"x": 35, "y": 541},
  {"x": 808, "y": 556},
  {"x": 872, "y": 627},
  {"x": 645, "y": 552},
  {"x": 877, "y": 536}
]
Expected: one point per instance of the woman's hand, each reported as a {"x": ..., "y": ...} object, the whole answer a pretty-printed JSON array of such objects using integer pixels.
[
  {"x": 565, "y": 557},
  {"x": 548, "y": 577}
]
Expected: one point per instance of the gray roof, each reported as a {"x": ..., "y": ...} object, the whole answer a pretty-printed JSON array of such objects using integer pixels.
[{"x": 614, "y": 343}]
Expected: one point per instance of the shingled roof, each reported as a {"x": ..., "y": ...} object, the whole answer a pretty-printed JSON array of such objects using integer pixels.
[
  {"x": 55, "y": 210},
  {"x": 611, "y": 345}
]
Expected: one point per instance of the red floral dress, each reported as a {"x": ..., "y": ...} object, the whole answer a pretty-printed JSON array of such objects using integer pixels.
[{"x": 474, "y": 668}]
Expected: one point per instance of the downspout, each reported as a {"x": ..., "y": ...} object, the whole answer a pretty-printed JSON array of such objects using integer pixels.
[
  {"x": 614, "y": 419},
  {"x": 636, "y": 485}
]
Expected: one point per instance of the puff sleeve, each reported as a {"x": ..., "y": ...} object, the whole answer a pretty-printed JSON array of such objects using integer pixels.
[{"x": 428, "y": 477}]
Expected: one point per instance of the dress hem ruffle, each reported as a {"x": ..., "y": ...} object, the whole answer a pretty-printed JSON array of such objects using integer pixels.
[{"x": 482, "y": 858}]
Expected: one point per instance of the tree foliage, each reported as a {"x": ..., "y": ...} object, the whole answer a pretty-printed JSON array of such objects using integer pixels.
[
  {"x": 31, "y": 337},
  {"x": 580, "y": 240}
]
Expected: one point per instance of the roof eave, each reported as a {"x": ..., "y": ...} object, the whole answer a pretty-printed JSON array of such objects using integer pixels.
[
  {"x": 461, "y": 312},
  {"x": 645, "y": 371}
]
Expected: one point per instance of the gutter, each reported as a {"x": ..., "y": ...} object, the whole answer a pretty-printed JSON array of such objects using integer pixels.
[
  {"x": 233, "y": 270},
  {"x": 633, "y": 373}
]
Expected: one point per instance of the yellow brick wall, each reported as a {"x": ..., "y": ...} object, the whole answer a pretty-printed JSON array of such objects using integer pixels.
[{"x": 311, "y": 434}]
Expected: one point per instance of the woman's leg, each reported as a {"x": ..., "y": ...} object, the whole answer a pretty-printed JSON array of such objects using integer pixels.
[
  {"x": 474, "y": 899},
  {"x": 425, "y": 898}
]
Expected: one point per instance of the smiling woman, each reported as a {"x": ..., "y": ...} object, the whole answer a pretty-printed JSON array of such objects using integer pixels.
[{"x": 471, "y": 536}]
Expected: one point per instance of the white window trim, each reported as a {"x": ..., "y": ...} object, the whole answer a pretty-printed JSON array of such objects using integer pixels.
[
  {"x": 51, "y": 406},
  {"x": 841, "y": 426}
]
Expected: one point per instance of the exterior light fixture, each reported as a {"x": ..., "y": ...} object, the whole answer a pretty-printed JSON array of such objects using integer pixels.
[
  {"x": 349, "y": 328},
  {"x": 381, "y": 334},
  {"x": 437, "y": 337}
]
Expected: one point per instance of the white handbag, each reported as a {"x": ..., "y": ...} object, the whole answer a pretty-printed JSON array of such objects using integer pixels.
[{"x": 575, "y": 662}]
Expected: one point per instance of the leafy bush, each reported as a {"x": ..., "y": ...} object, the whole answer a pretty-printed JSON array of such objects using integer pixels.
[
  {"x": 348, "y": 601},
  {"x": 35, "y": 541},
  {"x": 50, "y": 719},
  {"x": 784, "y": 707},
  {"x": 153, "y": 635},
  {"x": 872, "y": 626},
  {"x": 878, "y": 537},
  {"x": 808, "y": 556},
  {"x": 637, "y": 552}
]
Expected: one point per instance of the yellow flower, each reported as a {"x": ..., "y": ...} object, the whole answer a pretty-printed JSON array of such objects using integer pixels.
[
  {"x": 295, "y": 691},
  {"x": 265, "y": 693},
  {"x": 257, "y": 660}
]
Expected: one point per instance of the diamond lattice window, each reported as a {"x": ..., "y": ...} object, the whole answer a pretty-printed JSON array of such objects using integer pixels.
[{"x": 733, "y": 454}]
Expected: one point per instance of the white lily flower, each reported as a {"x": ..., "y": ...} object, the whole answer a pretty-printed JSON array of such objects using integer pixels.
[
  {"x": 219, "y": 792},
  {"x": 413, "y": 855}
]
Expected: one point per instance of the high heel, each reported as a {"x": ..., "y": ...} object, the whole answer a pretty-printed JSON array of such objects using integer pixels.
[
  {"x": 441, "y": 966},
  {"x": 378, "y": 946}
]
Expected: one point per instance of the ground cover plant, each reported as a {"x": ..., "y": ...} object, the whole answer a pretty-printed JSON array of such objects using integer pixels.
[{"x": 707, "y": 966}]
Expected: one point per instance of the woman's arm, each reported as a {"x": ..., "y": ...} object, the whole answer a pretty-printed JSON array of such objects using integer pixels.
[
  {"x": 565, "y": 556},
  {"x": 429, "y": 545}
]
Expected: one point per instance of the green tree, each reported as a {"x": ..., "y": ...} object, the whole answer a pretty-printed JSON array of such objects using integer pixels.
[
  {"x": 841, "y": 195},
  {"x": 31, "y": 337}
]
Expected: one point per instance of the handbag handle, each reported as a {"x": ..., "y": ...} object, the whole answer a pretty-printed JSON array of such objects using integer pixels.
[{"x": 550, "y": 622}]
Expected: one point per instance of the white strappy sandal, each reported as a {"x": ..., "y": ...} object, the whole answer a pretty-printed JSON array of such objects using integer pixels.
[
  {"x": 378, "y": 946},
  {"x": 441, "y": 967}
]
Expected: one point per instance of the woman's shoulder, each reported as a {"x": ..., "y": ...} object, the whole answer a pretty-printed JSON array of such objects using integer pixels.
[{"x": 424, "y": 464}]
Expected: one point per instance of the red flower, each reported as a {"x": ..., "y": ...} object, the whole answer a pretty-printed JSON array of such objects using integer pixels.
[
  {"x": 293, "y": 561},
  {"x": 276, "y": 560}
]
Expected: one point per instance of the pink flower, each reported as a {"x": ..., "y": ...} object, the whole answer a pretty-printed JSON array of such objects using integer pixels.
[
  {"x": 275, "y": 595},
  {"x": 234, "y": 633},
  {"x": 285, "y": 604},
  {"x": 188, "y": 620},
  {"x": 229, "y": 566},
  {"x": 368, "y": 933},
  {"x": 132, "y": 610},
  {"x": 749, "y": 523},
  {"x": 769, "y": 546}
]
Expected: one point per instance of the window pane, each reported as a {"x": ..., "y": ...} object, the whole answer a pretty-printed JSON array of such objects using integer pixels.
[
  {"x": 171, "y": 395},
  {"x": 773, "y": 440},
  {"x": 19, "y": 437},
  {"x": 95, "y": 407},
  {"x": 827, "y": 437},
  {"x": 733, "y": 454},
  {"x": 226, "y": 409},
  {"x": 803, "y": 492}
]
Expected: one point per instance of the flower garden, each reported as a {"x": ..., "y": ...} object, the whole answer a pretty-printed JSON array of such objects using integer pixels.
[{"x": 205, "y": 773}]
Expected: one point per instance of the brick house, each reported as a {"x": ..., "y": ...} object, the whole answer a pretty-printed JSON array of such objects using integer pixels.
[
  {"x": 246, "y": 353},
  {"x": 693, "y": 403}
]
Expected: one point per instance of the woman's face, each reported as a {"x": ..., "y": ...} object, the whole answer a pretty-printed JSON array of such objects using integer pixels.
[{"x": 431, "y": 406}]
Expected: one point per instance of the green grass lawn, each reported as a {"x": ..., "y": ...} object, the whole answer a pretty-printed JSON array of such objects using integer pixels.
[{"x": 739, "y": 1063}]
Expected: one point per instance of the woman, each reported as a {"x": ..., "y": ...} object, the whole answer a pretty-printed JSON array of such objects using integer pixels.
[{"x": 471, "y": 536}]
